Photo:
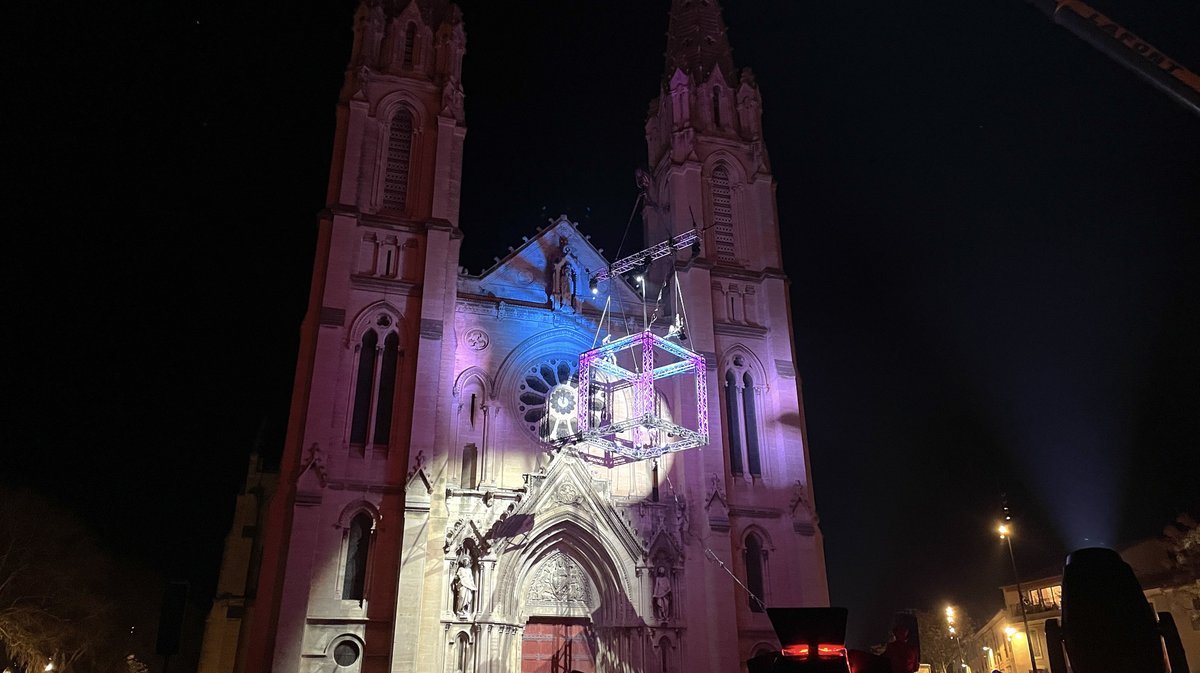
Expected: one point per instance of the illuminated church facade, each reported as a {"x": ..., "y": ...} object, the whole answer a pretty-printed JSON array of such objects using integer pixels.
[{"x": 433, "y": 511}]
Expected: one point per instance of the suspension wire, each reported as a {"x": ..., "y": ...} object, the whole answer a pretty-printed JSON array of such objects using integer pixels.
[
  {"x": 658, "y": 301},
  {"x": 682, "y": 305},
  {"x": 600, "y": 322},
  {"x": 612, "y": 281},
  {"x": 708, "y": 552},
  {"x": 628, "y": 224},
  {"x": 666, "y": 227}
]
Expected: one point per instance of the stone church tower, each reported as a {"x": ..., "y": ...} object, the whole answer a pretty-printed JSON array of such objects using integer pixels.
[{"x": 433, "y": 511}]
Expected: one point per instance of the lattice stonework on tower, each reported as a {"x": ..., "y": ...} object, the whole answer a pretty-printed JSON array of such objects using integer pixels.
[
  {"x": 722, "y": 203},
  {"x": 395, "y": 189},
  {"x": 631, "y": 366}
]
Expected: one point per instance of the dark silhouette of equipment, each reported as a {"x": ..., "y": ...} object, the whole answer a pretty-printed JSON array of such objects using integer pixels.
[
  {"x": 1131, "y": 51},
  {"x": 813, "y": 641},
  {"x": 1107, "y": 623}
]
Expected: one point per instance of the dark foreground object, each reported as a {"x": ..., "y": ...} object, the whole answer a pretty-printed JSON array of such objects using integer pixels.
[
  {"x": 813, "y": 640},
  {"x": 1107, "y": 623}
]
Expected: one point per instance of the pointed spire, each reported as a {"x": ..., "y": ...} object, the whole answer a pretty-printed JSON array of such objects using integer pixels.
[
  {"x": 433, "y": 12},
  {"x": 696, "y": 41}
]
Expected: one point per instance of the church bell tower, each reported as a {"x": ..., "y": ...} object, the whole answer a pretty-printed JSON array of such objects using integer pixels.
[
  {"x": 708, "y": 170},
  {"x": 383, "y": 287}
]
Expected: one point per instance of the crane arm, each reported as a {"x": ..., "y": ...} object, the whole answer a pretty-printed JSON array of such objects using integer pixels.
[{"x": 1123, "y": 46}]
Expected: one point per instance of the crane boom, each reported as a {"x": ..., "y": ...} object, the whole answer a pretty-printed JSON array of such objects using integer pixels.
[{"x": 1123, "y": 46}]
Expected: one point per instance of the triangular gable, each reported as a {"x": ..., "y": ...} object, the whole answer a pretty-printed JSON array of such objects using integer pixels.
[
  {"x": 568, "y": 489},
  {"x": 528, "y": 272}
]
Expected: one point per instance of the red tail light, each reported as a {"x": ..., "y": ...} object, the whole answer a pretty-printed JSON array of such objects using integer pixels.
[
  {"x": 823, "y": 651},
  {"x": 831, "y": 650},
  {"x": 795, "y": 651}
]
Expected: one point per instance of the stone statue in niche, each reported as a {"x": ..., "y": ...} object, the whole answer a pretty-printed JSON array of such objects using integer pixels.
[
  {"x": 464, "y": 587},
  {"x": 562, "y": 281},
  {"x": 662, "y": 595}
]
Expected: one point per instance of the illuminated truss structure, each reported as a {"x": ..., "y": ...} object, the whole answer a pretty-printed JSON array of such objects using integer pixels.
[
  {"x": 626, "y": 367},
  {"x": 643, "y": 258}
]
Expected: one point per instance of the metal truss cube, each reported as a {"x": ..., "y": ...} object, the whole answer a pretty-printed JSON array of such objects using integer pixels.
[{"x": 626, "y": 368}]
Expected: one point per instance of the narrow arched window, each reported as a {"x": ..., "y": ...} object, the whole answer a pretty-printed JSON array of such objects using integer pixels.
[
  {"x": 358, "y": 545},
  {"x": 750, "y": 414},
  {"x": 470, "y": 457},
  {"x": 733, "y": 418},
  {"x": 664, "y": 654},
  {"x": 387, "y": 389},
  {"x": 754, "y": 571},
  {"x": 716, "y": 106},
  {"x": 722, "y": 207},
  {"x": 410, "y": 38},
  {"x": 400, "y": 136},
  {"x": 462, "y": 654},
  {"x": 363, "y": 387}
]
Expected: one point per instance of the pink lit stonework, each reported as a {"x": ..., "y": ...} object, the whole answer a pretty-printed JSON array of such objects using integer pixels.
[{"x": 459, "y": 491}]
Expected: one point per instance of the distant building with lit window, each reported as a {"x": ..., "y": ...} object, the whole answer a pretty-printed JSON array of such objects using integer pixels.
[{"x": 1000, "y": 643}]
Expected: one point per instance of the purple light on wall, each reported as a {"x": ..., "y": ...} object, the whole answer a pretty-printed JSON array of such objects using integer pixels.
[{"x": 602, "y": 377}]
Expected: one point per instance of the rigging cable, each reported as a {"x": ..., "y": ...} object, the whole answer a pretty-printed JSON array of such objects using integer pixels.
[{"x": 708, "y": 552}]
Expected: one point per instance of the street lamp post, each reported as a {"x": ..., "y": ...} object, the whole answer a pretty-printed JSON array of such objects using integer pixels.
[
  {"x": 962, "y": 657},
  {"x": 1006, "y": 535}
]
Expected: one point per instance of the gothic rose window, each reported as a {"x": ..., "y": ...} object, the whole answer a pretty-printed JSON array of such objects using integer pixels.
[{"x": 548, "y": 397}]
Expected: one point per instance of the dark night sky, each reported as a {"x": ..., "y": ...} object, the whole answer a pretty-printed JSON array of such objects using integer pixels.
[{"x": 992, "y": 229}]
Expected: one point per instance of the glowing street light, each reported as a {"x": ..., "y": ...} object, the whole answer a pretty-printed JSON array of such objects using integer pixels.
[
  {"x": 962, "y": 656},
  {"x": 1005, "y": 530}
]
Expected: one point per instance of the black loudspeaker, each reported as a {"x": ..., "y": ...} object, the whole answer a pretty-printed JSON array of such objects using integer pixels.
[
  {"x": 1107, "y": 623},
  {"x": 170, "y": 618}
]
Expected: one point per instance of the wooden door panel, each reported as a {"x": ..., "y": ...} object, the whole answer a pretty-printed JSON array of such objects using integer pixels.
[{"x": 557, "y": 648}]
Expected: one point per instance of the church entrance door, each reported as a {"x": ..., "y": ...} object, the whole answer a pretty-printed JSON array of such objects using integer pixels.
[{"x": 558, "y": 646}]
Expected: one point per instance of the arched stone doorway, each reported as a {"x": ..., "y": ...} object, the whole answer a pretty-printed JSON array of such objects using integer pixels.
[
  {"x": 559, "y": 600},
  {"x": 569, "y": 581}
]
